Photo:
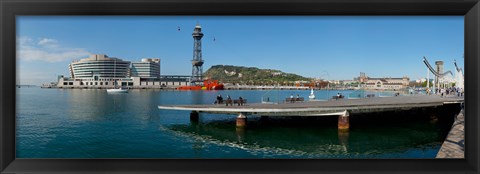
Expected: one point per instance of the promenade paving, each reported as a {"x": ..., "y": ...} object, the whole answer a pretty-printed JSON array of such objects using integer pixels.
[{"x": 454, "y": 145}]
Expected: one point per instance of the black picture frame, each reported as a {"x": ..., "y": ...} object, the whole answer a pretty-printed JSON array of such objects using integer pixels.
[{"x": 9, "y": 9}]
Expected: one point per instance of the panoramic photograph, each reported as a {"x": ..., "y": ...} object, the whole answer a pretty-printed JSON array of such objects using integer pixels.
[{"x": 240, "y": 87}]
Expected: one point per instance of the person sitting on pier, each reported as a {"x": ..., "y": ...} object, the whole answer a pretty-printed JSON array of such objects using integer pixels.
[
  {"x": 240, "y": 101},
  {"x": 217, "y": 101},
  {"x": 291, "y": 98},
  {"x": 220, "y": 99},
  {"x": 229, "y": 101},
  {"x": 338, "y": 96}
]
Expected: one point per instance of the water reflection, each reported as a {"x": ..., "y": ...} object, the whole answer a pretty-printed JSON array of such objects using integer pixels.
[
  {"x": 343, "y": 139},
  {"x": 240, "y": 131},
  {"x": 321, "y": 141}
]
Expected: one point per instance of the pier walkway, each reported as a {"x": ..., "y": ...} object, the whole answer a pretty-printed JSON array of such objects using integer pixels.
[
  {"x": 256, "y": 87},
  {"x": 454, "y": 145},
  {"x": 341, "y": 107},
  {"x": 323, "y": 108}
]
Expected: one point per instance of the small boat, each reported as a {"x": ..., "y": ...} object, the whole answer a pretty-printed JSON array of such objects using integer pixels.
[
  {"x": 311, "y": 96},
  {"x": 117, "y": 90}
]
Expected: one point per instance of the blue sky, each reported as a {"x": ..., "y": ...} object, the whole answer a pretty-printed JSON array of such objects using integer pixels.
[{"x": 311, "y": 46}]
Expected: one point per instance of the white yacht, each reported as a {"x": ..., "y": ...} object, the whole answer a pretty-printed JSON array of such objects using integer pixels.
[
  {"x": 311, "y": 96},
  {"x": 117, "y": 90}
]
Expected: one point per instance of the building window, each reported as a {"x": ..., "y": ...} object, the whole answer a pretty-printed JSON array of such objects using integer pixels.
[
  {"x": 96, "y": 83},
  {"x": 106, "y": 83},
  {"x": 101, "y": 83},
  {"x": 65, "y": 83},
  {"x": 70, "y": 83}
]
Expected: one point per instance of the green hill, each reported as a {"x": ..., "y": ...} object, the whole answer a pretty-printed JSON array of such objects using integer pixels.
[{"x": 251, "y": 75}]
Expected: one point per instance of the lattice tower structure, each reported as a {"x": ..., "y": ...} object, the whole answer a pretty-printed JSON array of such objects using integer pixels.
[{"x": 197, "y": 62}]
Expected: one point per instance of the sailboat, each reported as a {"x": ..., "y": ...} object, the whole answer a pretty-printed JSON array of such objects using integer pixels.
[
  {"x": 311, "y": 96},
  {"x": 116, "y": 89}
]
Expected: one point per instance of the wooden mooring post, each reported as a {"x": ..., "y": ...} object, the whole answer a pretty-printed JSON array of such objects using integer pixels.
[
  {"x": 241, "y": 120},
  {"x": 344, "y": 121}
]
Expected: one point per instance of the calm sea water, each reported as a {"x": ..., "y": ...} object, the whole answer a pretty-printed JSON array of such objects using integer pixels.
[{"x": 89, "y": 123}]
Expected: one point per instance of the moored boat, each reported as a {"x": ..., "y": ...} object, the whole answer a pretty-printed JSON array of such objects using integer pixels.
[
  {"x": 311, "y": 96},
  {"x": 117, "y": 90}
]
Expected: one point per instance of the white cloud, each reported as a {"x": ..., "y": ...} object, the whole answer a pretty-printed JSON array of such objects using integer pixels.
[
  {"x": 46, "y": 42},
  {"x": 46, "y": 49}
]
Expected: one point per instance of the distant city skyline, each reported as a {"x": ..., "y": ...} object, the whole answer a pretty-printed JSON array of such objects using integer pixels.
[{"x": 311, "y": 46}]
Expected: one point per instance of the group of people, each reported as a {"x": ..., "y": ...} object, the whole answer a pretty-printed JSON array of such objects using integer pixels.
[
  {"x": 293, "y": 100},
  {"x": 451, "y": 91},
  {"x": 229, "y": 100},
  {"x": 219, "y": 99},
  {"x": 339, "y": 95},
  {"x": 448, "y": 91}
]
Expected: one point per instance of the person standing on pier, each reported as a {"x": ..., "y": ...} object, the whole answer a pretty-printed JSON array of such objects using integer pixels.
[{"x": 291, "y": 98}]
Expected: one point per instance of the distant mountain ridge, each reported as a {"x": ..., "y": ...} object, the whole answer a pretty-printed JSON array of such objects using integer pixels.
[{"x": 249, "y": 75}]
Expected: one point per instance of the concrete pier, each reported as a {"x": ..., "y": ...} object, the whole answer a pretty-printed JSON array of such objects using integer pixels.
[
  {"x": 454, "y": 145},
  {"x": 324, "y": 108},
  {"x": 342, "y": 108}
]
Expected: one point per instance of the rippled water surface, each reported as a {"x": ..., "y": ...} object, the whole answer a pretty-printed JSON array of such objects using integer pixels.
[{"x": 88, "y": 123}]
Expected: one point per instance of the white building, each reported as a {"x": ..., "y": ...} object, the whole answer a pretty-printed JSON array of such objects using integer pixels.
[
  {"x": 99, "y": 66},
  {"x": 384, "y": 83},
  {"x": 148, "y": 68},
  {"x": 101, "y": 71},
  {"x": 387, "y": 83}
]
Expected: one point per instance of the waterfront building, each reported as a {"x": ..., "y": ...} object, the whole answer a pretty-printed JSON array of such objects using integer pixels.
[
  {"x": 101, "y": 71},
  {"x": 384, "y": 83},
  {"x": 97, "y": 71},
  {"x": 99, "y": 66},
  {"x": 149, "y": 68}
]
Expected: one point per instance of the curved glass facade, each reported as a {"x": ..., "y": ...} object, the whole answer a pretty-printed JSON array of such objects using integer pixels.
[{"x": 100, "y": 66}]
